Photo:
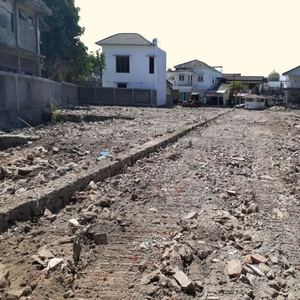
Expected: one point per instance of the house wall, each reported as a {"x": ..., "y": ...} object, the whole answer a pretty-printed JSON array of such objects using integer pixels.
[
  {"x": 208, "y": 77},
  {"x": 27, "y": 34},
  {"x": 161, "y": 66},
  {"x": 295, "y": 79},
  {"x": 138, "y": 77},
  {"x": 24, "y": 36},
  {"x": 169, "y": 90},
  {"x": 184, "y": 82},
  {"x": 226, "y": 96},
  {"x": 9, "y": 61},
  {"x": 7, "y": 36}
]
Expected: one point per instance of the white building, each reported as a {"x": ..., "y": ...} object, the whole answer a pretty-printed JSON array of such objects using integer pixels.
[
  {"x": 256, "y": 102},
  {"x": 291, "y": 88},
  {"x": 134, "y": 62},
  {"x": 194, "y": 77}
]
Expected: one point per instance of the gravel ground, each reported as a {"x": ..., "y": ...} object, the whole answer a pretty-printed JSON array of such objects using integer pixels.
[
  {"x": 69, "y": 147},
  {"x": 213, "y": 216}
]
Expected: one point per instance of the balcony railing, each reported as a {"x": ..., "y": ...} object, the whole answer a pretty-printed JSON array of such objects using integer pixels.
[
  {"x": 290, "y": 85},
  {"x": 182, "y": 83}
]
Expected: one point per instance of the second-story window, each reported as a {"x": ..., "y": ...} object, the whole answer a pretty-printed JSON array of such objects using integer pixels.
[
  {"x": 122, "y": 64},
  {"x": 10, "y": 21},
  {"x": 181, "y": 77},
  {"x": 30, "y": 20},
  {"x": 151, "y": 65},
  {"x": 22, "y": 14},
  {"x": 200, "y": 78}
]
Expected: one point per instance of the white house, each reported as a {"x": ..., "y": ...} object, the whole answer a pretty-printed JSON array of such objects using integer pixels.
[
  {"x": 291, "y": 88},
  {"x": 134, "y": 62},
  {"x": 253, "y": 101},
  {"x": 194, "y": 77}
]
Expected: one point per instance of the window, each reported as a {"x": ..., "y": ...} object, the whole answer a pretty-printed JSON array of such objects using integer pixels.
[
  {"x": 122, "y": 64},
  {"x": 200, "y": 78},
  {"x": 181, "y": 77},
  {"x": 22, "y": 14},
  {"x": 10, "y": 21},
  {"x": 122, "y": 85},
  {"x": 213, "y": 80},
  {"x": 151, "y": 65},
  {"x": 30, "y": 20}
]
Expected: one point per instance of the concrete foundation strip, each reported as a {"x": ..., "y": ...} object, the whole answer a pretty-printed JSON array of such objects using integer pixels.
[{"x": 61, "y": 190}]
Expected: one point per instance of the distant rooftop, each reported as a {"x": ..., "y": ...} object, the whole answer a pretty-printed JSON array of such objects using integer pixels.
[
  {"x": 218, "y": 88},
  {"x": 289, "y": 71},
  {"x": 125, "y": 39},
  {"x": 239, "y": 77},
  {"x": 193, "y": 64}
]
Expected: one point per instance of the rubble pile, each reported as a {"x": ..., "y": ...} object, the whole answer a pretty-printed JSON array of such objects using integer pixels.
[
  {"x": 213, "y": 216},
  {"x": 65, "y": 148}
]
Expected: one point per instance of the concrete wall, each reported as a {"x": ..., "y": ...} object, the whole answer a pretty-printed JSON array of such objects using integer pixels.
[
  {"x": 29, "y": 97},
  {"x": 115, "y": 96},
  {"x": 21, "y": 92},
  {"x": 139, "y": 76},
  {"x": 68, "y": 95},
  {"x": 27, "y": 34}
]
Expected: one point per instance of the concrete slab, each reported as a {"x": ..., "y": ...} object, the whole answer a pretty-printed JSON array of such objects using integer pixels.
[{"x": 9, "y": 141}]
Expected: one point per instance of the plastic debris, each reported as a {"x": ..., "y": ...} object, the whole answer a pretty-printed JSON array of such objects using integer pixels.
[
  {"x": 53, "y": 263},
  {"x": 103, "y": 155}
]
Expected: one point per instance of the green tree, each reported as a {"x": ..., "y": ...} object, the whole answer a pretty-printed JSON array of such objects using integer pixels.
[
  {"x": 66, "y": 56},
  {"x": 97, "y": 62},
  {"x": 237, "y": 85}
]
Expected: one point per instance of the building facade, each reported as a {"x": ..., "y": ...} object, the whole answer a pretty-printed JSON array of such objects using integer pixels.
[
  {"x": 134, "y": 62},
  {"x": 291, "y": 88},
  {"x": 195, "y": 75},
  {"x": 192, "y": 79},
  {"x": 20, "y": 26}
]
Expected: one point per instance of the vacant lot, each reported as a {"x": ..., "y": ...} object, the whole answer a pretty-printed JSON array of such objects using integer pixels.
[
  {"x": 213, "y": 216},
  {"x": 69, "y": 147}
]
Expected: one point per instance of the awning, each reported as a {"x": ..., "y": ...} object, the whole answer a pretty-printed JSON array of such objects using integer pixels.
[
  {"x": 242, "y": 94},
  {"x": 220, "y": 93}
]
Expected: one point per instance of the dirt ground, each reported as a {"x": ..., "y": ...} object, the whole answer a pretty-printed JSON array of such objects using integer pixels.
[
  {"x": 68, "y": 147},
  {"x": 213, "y": 216}
]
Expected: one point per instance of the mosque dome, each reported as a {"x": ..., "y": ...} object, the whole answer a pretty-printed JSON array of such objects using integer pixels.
[{"x": 274, "y": 76}]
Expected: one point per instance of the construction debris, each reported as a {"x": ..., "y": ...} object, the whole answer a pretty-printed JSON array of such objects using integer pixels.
[{"x": 214, "y": 215}]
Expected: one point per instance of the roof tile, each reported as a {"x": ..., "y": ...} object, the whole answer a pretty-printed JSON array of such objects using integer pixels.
[{"x": 125, "y": 39}]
